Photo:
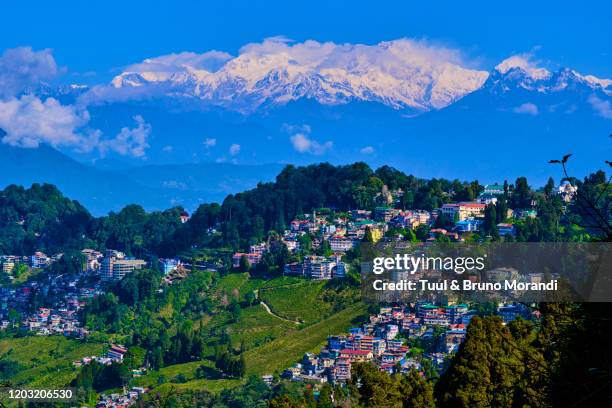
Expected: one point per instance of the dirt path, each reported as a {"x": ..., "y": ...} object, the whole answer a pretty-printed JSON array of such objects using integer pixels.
[{"x": 265, "y": 306}]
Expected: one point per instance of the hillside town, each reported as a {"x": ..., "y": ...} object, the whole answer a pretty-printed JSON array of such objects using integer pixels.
[
  {"x": 332, "y": 234},
  {"x": 340, "y": 233},
  {"x": 397, "y": 339}
]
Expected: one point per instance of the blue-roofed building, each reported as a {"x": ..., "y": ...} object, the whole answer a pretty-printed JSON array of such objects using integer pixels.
[
  {"x": 468, "y": 225},
  {"x": 487, "y": 198},
  {"x": 506, "y": 229},
  {"x": 336, "y": 342},
  {"x": 511, "y": 312}
]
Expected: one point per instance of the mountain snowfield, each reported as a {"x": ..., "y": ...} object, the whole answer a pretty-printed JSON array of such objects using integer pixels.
[
  {"x": 402, "y": 74},
  {"x": 519, "y": 72}
]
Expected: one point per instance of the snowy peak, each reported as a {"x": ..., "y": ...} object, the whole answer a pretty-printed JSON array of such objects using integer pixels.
[
  {"x": 522, "y": 64},
  {"x": 401, "y": 74},
  {"x": 519, "y": 72}
]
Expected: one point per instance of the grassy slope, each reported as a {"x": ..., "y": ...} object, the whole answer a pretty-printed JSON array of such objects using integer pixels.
[
  {"x": 256, "y": 327},
  {"x": 296, "y": 301},
  {"x": 273, "y": 356},
  {"x": 272, "y": 344},
  {"x": 46, "y": 361},
  {"x": 291, "y": 298},
  {"x": 288, "y": 349}
]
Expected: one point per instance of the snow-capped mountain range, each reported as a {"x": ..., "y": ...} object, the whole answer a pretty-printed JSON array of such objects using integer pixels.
[
  {"x": 400, "y": 74},
  {"x": 512, "y": 73},
  {"x": 421, "y": 108},
  {"x": 395, "y": 73}
]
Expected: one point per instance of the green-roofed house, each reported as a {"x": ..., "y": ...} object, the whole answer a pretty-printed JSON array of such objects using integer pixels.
[{"x": 494, "y": 189}]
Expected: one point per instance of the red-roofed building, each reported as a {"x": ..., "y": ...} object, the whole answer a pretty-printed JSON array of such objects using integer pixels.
[{"x": 116, "y": 352}]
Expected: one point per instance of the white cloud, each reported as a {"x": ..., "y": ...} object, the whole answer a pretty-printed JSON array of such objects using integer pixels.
[
  {"x": 526, "y": 63},
  {"x": 367, "y": 150},
  {"x": 209, "y": 61},
  {"x": 527, "y": 108},
  {"x": 602, "y": 107},
  {"x": 386, "y": 54},
  {"x": 210, "y": 142},
  {"x": 21, "y": 68},
  {"x": 129, "y": 142},
  {"x": 234, "y": 149},
  {"x": 303, "y": 144},
  {"x": 167, "y": 149},
  {"x": 28, "y": 121}
]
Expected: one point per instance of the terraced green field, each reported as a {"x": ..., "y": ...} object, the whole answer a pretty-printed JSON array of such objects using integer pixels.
[
  {"x": 46, "y": 361},
  {"x": 257, "y": 327},
  {"x": 296, "y": 300},
  {"x": 289, "y": 348}
]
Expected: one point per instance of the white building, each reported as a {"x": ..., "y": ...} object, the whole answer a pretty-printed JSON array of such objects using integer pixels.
[
  {"x": 115, "y": 268},
  {"x": 318, "y": 267},
  {"x": 341, "y": 244}
]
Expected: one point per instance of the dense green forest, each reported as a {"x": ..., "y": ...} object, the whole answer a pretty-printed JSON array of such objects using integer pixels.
[{"x": 41, "y": 218}]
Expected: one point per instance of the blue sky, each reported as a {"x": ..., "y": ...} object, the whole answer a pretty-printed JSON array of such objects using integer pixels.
[{"x": 102, "y": 36}]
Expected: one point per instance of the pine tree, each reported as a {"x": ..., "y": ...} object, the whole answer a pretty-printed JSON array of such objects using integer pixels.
[
  {"x": 496, "y": 366},
  {"x": 549, "y": 187},
  {"x": 490, "y": 222},
  {"x": 416, "y": 391},
  {"x": 368, "y": 237},
  {"x": 501, "y": 208}
]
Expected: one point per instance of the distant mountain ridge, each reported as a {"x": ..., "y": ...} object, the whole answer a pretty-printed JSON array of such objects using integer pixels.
[
  {"x": 153, "y": 187},
  {"x": 392, "y": 73},
  {"x": 382, "y": 74},
  {"x": 429, "y": 117},
  {"x": 519, "y": 111},
  {"x": 506, "y": 77}
]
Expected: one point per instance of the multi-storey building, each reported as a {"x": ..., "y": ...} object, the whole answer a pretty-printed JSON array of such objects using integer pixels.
[
  {"x": 342, "y": 370},
  {"x": 463, "y": 210},
  {"x": 318, "y": 267},
  {"x": 39, "y": 260},
  {"x": 115, "y": 268},
  {"x": 341, "y": 244}
]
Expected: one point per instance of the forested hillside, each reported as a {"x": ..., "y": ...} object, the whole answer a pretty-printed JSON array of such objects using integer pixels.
[{"x": 41, "y": 218}]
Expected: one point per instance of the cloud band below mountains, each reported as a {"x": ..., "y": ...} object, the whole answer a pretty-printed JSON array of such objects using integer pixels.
[{"x": 28, "y": 120}]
